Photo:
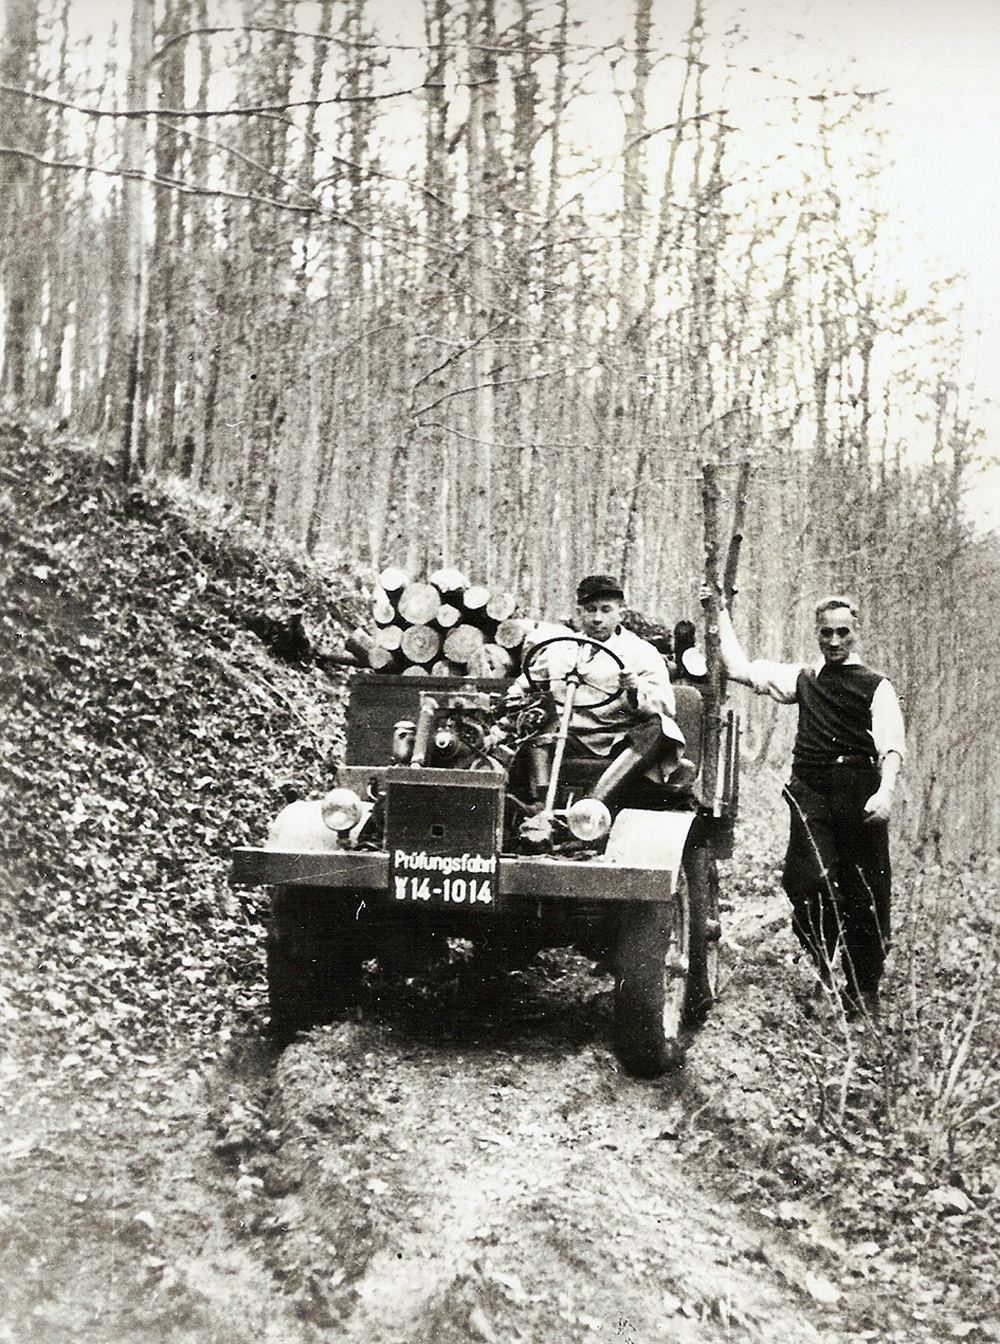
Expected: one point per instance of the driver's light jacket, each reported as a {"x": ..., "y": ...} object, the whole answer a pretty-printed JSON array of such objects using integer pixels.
[{"x": 600, "y": 675}]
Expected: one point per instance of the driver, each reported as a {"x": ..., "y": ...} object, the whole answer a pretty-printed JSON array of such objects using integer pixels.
[{"x": 639, "y": 719}]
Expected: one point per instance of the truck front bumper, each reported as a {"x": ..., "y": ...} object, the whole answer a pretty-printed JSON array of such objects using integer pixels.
[
  {"x": 604, "y": 879},
  {"x": 367, "y": 870}
]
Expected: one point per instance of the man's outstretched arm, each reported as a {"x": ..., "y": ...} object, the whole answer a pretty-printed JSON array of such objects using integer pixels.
[
  {"x": 879, "y": 805},
  {"x": 766, "y": 678},
  {"x": 734, "y": 660}
]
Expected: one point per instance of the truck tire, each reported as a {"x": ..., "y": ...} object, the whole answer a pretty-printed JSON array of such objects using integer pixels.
[
  {"x": 651, "y": 972},
  {"x": 314, "y": 958},
  {"x": 703, "y": 969}
]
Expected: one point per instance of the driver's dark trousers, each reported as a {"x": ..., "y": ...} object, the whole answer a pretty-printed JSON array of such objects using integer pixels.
[
  {"x": 623, "y": 780},
  {"x": 837, "y": 873}
]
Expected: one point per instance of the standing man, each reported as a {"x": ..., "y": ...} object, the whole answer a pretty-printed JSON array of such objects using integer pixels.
[{"x": 848, "y": 751}]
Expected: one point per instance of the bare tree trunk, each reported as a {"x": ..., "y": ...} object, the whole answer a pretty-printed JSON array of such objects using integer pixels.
[
  {"x": 56, "y": 207},
  {"x": 633, "y": 171},
  {"x": 20, "y": 206},
  {"x": 130, "y": 250},
  {"x": 555, "y": 148},
  {"x": 437, "y": 176},
  {"x": 207, "y": 320},
  {"x": 168, "y": 244},
  {"x": 483, "y": 169}
]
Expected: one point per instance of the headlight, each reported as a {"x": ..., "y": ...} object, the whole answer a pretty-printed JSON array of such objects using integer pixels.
[
  {"x": 341, "y": 809},
  {"x": 589, "y": 819}
]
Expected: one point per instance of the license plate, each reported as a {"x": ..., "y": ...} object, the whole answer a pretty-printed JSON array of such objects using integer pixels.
[{"x": 445, "y": 880}]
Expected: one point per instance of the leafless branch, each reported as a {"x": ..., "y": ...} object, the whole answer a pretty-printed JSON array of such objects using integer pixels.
[
  {"x": 172, "y": 184},
  {"x": 489, "y": 382},
  {"x": 204, "y": 113}
]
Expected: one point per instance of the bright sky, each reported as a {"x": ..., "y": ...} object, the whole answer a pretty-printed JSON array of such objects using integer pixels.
[{"x": 939, "y": 61}]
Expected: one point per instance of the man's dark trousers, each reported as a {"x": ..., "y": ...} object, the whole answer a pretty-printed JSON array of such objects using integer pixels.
[{"x": 837, "y": 873}]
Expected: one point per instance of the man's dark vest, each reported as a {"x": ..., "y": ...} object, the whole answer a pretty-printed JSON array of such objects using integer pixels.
[{"x": 835, "y": 714}]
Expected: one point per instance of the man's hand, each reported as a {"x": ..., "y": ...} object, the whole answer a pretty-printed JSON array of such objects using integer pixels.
[
  {"x": 705, "y": 593},
  {"x": 628, "y": 684},
  {"x": 879, "y": 805}
]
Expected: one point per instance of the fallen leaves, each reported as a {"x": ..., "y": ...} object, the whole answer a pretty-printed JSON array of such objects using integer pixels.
[
  {"x": 949, "y": 1199},
  {"x": 145, "y": 736},
  {"x": 148, "y": 731},
  {"x": 820, "y": 1289}
]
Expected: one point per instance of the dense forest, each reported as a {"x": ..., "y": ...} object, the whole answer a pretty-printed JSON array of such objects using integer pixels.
[{"x": 478, "y": 282}]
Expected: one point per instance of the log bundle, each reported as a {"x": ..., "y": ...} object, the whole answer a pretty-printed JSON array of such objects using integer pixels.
[{"x": 441, "y": 626}]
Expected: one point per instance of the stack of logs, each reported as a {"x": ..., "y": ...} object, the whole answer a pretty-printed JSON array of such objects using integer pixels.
[{"x": 441, "y": 627}]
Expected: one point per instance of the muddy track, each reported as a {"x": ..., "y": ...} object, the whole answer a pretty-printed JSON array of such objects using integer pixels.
[
  {"x": 432, "y": 1189},
  {"x": 463, "y": 1161},
  {"x": 466, "y": 1162}
]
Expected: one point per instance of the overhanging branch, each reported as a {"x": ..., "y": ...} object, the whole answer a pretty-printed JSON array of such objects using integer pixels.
[{"x": 203, "y": 113}]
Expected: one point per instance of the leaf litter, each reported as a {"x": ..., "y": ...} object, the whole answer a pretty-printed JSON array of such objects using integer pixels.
[{"x": 463, "y": 1161}]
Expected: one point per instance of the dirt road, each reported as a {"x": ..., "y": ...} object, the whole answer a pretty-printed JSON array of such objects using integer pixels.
[{"x": 463, "y": 1162}]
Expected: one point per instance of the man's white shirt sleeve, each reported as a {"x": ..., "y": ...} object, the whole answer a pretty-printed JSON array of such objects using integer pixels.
[
  {"x": 888, "y": 729},
  {"x": 654, "y": 689},
  {"x": 779, "y": 680}
]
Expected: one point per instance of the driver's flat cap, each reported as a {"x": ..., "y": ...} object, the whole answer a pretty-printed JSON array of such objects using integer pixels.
[{"x": 598, "y": 585}]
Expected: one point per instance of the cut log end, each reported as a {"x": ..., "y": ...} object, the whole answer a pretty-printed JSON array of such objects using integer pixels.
[
  {"x": 382, "y": 660},
  {"x": 462, "y": 644},
  {"x": 449, "y": 581},
  {"x": 389, "y": 637},
  {"x": 418, "y": 603},
  {"x": 501, "y": 606},
  {"x": 475, "y": 598},
  {"x": 510, "y": 633},
  {"x": 420, "y": 644},
  {"x": 393, "y": 581}
]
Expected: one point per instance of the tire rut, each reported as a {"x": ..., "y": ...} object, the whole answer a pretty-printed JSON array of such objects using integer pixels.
[{"x": 408, "y": 1183}]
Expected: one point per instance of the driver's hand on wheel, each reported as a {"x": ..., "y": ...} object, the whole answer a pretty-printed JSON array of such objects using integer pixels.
[{"x": 628, "y": 684}]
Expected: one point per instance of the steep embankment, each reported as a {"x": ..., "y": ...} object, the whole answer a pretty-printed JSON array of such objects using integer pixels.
[
  {"x": 157, "y": 710},
  {"x": 148, "y": 728},
  {"x": 464, "y": 1161}
]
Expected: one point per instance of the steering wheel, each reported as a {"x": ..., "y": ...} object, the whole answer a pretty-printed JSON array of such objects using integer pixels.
[{"x": 579, "y": 679}]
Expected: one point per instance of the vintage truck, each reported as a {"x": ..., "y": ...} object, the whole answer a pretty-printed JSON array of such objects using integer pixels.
[{"x": 459, "y": 814}]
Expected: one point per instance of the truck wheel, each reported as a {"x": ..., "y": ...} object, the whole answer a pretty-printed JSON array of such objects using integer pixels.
[
  {"x": 313, "y": 958},
  {"x": 651, "y": 963},
  {"x": 703, "y": 970}
]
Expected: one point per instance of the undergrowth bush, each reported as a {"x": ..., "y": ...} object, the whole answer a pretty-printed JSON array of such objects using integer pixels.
[
  {"x": 876, "y": 1141},
  {"x": 930, "y": 1069}
]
